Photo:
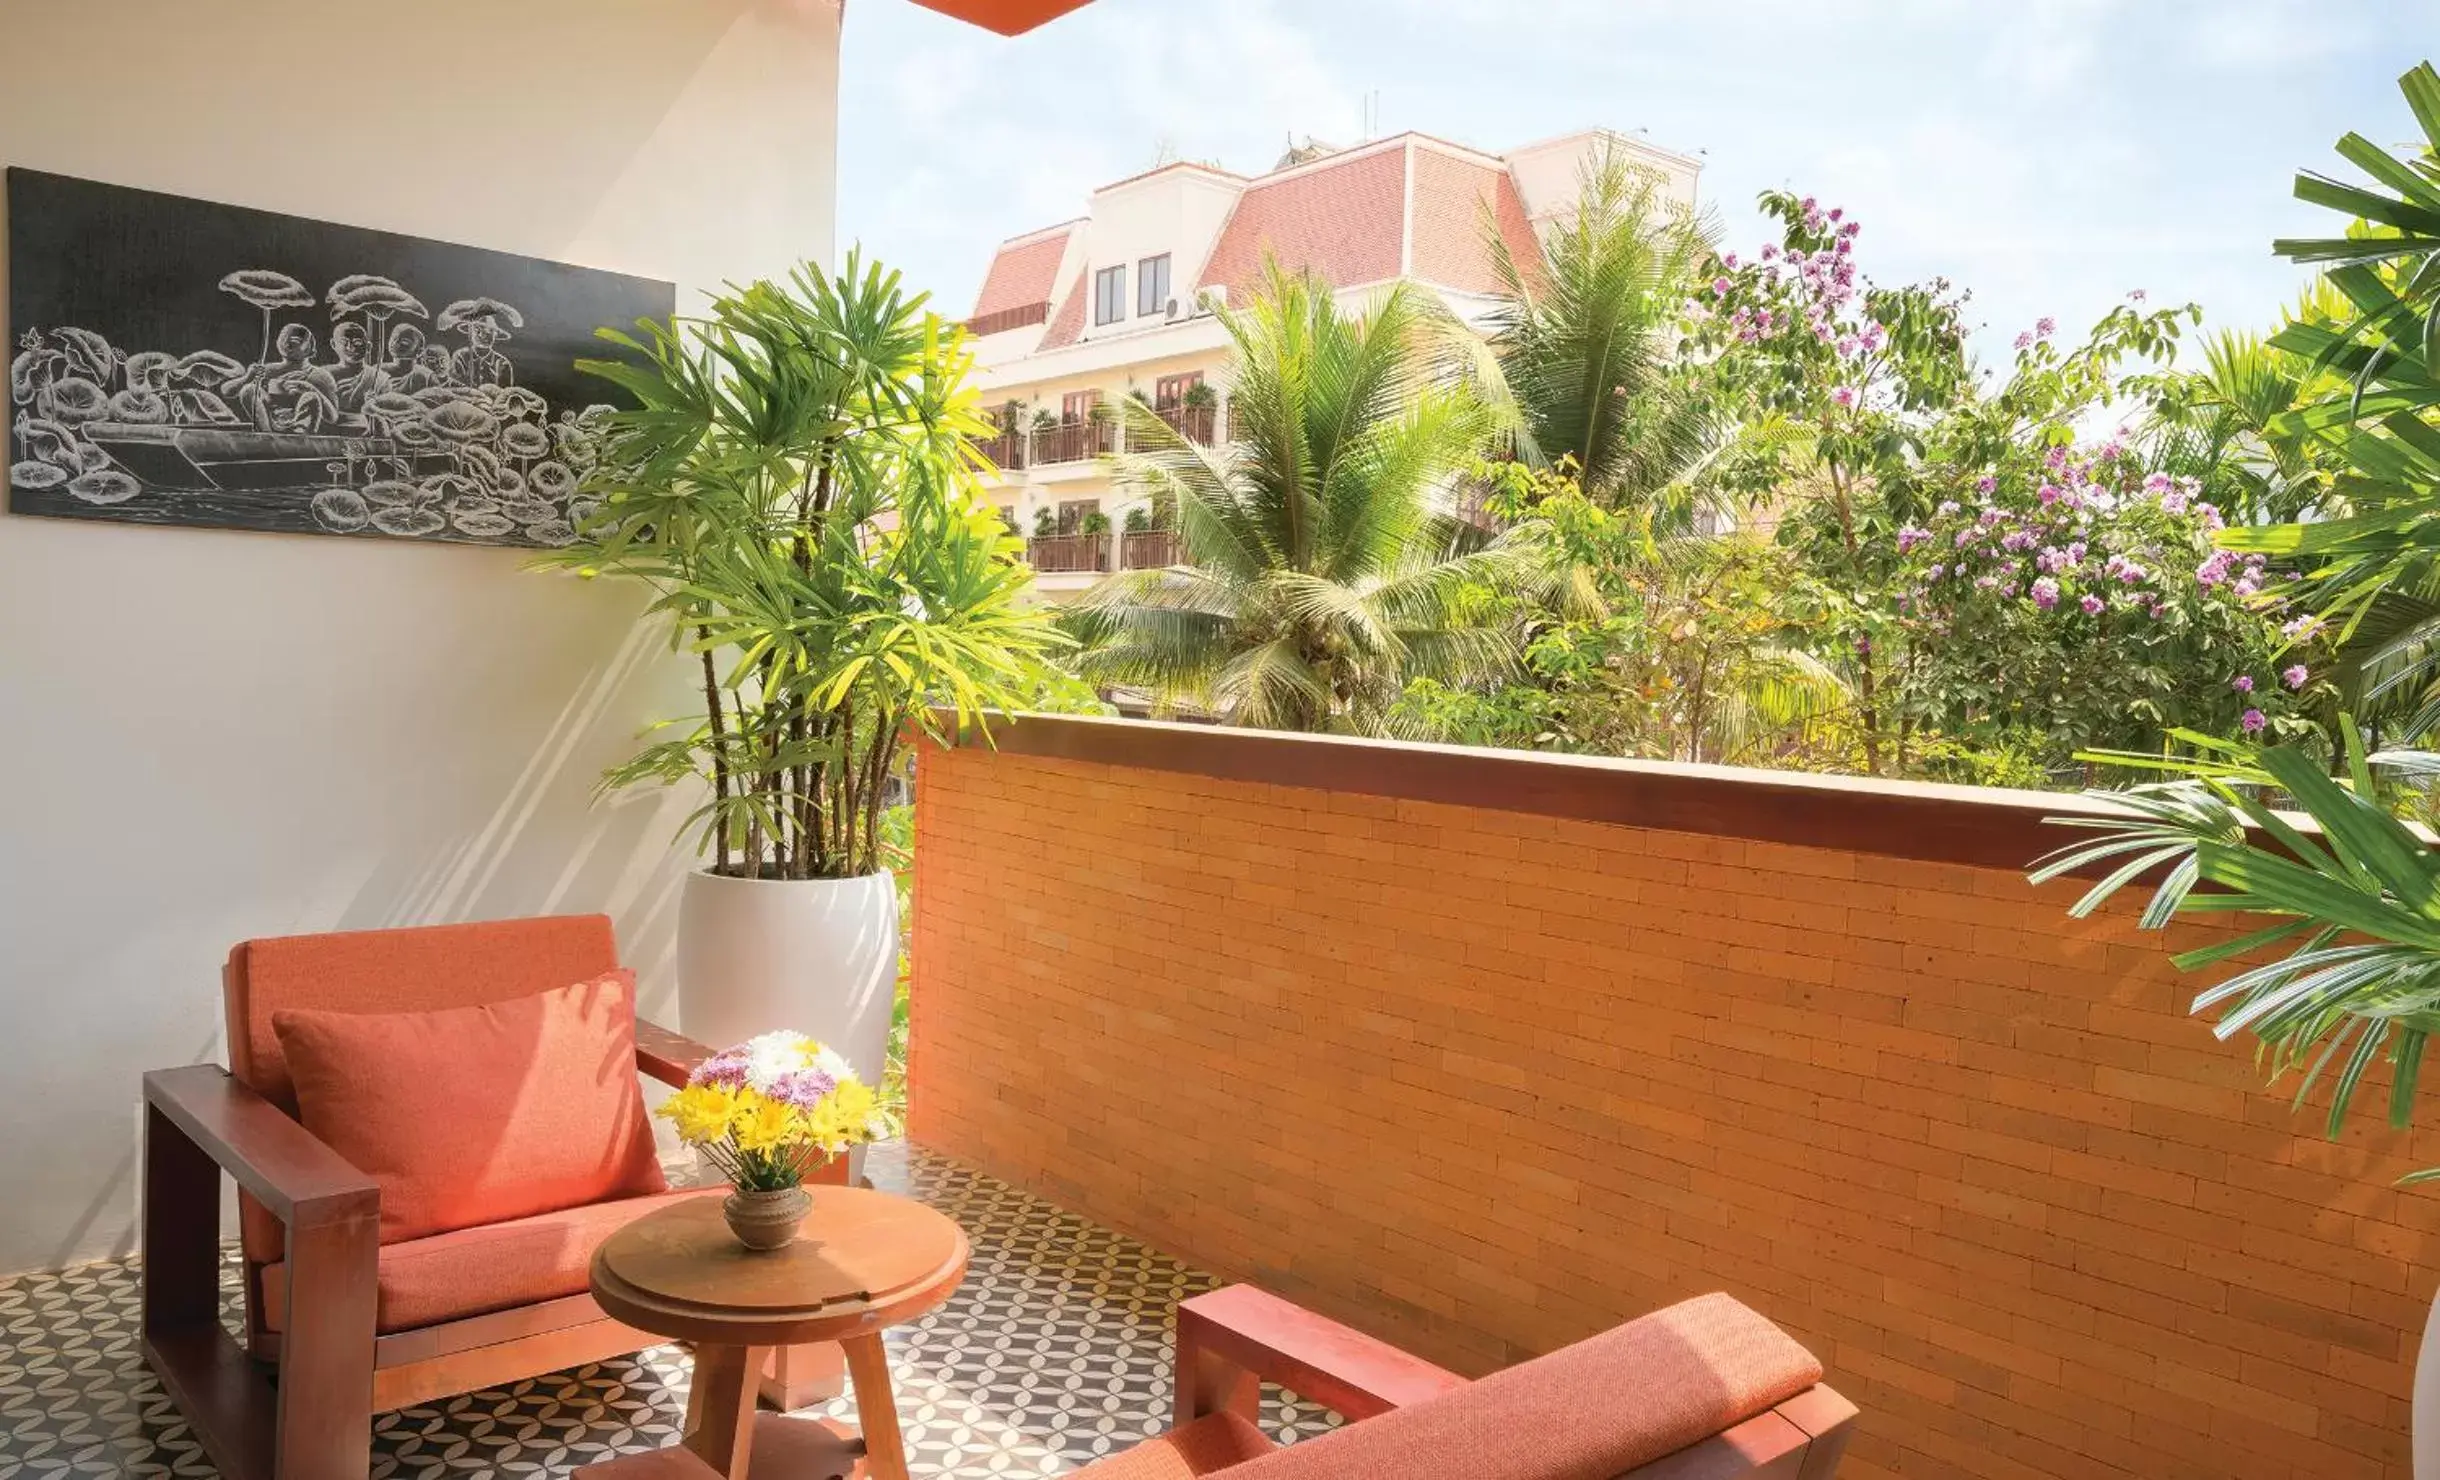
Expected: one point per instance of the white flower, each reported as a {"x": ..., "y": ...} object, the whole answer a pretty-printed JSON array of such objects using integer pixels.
[
  {"x": 828, "y": 1061},
  {"x": 774, "y": 1054}
]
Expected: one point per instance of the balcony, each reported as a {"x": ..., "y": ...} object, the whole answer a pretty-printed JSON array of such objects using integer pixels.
[
  {"x": 1073, "y": 442},
  {"x": 1006, "y": 451},
  {"x": 1197, "y": 424},
  {"x": 1068, "y": 554},
  {"x": 1150, "y": 549}
]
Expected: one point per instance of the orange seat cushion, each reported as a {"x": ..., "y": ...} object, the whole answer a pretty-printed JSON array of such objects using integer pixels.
[
  {"x": 1590, "y": 1411},
  {"x": 499, "y": 1266},
  {"x": 1206, "y": 1446},
  {"x": 481, "y": 1114}
]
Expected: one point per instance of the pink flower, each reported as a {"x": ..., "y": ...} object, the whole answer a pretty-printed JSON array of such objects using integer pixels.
[
  {"x": 2045, "y": 327},
  {"x": 1984, "y": 484},
  {"x": 1844, "y": 395},
  {"x": 2047, "y": 493},
  {"x": 2091, "y": 605},
  {"x": 2295, "y": 676},
  {"x": 1729, "y": 262},
  {"x": 2244, "y": 684},
  {"x": 1720, "y": 287},
  {"x": 2138, "y": 296},
  {"x": 2253, "y": 722},
  {"x": 2045, "y": 593},
  {"x": 2023, "y": 342},
  {"x": 1909, "y": 538}
]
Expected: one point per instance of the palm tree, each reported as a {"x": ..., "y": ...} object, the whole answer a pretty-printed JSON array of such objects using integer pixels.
[
  {"x": 1585, "y": 338},
  {"x": 1326, "y": 574}
]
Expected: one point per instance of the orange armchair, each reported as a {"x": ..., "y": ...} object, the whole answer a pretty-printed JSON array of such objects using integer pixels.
[
  {"x": 1703, "y": 1390},
  {"x": 353, "y": 1327}
]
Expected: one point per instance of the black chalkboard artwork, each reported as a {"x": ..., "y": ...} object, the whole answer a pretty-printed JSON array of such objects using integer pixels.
[{"x": 175, "y": 361}]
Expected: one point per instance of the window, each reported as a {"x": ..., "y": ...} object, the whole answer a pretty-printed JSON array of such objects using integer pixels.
[
  {"x": 1110, "y": 295},
  {"x": 1078, "y": 406},
  {"x": 1152, "y": 285},
  {"x": 1170, "y": 390}
]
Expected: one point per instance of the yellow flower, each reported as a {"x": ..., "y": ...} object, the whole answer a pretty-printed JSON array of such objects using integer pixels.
[
  {"x": 703, "y": 1113},
  {"x": 765, "y": 1125}
]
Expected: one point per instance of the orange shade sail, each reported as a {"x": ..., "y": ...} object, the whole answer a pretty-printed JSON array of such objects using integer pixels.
[{"x": 1008, "y": 17}]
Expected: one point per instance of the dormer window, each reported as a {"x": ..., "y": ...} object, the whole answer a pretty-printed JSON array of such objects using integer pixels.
[
  {"x": 1151, "y": 285},
  {"x": 1110, "y": 295}
]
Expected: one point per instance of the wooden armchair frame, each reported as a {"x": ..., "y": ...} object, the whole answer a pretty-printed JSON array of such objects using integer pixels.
[
  {"x": 334, "y": 1371},
  {"x": 1232, "y": 1340}
]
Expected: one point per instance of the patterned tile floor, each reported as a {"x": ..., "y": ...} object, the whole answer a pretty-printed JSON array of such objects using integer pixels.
[{"x": 1053, "y": 1353}]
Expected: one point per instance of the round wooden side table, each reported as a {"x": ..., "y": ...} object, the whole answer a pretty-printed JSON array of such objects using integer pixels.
[{"x": 865, "y": 1261}]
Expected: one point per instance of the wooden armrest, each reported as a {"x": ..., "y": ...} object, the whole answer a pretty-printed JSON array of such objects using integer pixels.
[
  {"x": 1232, "y": 1340},
  {"x": 294, "y": 1175},
  {"x": 667, "y": 1055}
]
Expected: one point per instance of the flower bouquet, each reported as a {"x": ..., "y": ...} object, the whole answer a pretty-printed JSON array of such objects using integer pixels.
[{"x": 765, "y": 1113}]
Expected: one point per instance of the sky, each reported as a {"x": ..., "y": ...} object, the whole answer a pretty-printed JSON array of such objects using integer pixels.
[{"x": 2048, "y": 155}]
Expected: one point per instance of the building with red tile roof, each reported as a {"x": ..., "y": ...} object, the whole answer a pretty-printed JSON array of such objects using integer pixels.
[{"x": 1123, "y": 300}]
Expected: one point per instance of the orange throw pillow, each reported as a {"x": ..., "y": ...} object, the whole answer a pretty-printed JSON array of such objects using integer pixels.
[{"x": 473, "y": 1115}]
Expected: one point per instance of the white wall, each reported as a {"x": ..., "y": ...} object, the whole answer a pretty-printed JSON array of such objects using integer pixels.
[{"x": 210, "y": 735}]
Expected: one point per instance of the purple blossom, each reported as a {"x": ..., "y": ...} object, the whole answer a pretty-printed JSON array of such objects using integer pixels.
[
  {"x": 2075, "y": 553},
  {"x": 2244, "y": 683},
  {"x": 2254, "y": 722},
  {"x": 2045, "y": 593},
  {"x": 2091, "y": 605},
  {"x": 803, "y": 1088},
  {"x": 1729, "y": 262},
  {"x": 1947, "y": 506},
  {"x": 2301, "y": 627},
  {"x": 2048, "y": 493},
  {"x": 1986, "y": 484},
  {"x": 2023, "y": 342},
  {"x": 2045, "y": 327},
  {"x": 2174, "y": 501},
  {"x": 2214, "y": 570},
  {"x": 2295, "y": 676},
  {"x": 2157, "y": 484},
  {"x": 1911, "y": 536},
  {"x": 2017, "y": 539},
  {"x": 1720, "y": 287},
  {"x": 726, "y": 1069}
]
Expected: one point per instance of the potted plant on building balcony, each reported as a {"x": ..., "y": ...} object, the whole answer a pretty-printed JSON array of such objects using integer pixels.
[{"x": 795, "y": 484}]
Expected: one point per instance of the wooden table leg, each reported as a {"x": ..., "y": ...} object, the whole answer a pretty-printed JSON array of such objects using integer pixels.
[
  {"x": 885, "y": 1454},
  {"x": 720, "y": 1406}
]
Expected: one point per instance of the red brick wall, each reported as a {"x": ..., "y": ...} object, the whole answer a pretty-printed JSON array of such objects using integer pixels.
[{"x": 1484, "y": 1081}]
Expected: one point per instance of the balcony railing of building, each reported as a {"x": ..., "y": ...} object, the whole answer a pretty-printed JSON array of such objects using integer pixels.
[
  {"x": 1068, "y": 554},
  {"x": 1150, "y": 549},
  {"x": 1197, "y": 424},
  {"x": 1006, "y": 451},
  {"x": 1073, "y": 441}
]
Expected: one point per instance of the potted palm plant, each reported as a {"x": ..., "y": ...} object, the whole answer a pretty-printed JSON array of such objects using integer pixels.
[{"x": 797, "y": 484}]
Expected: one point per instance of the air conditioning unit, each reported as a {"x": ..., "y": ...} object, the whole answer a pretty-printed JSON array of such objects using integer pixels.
[{"x": 1173, "y": 314}]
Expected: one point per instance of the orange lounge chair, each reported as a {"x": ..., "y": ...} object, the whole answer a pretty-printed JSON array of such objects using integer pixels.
[
  {"x": 351, "y": 1326},
  {"x": 1704, "y": 1390}
]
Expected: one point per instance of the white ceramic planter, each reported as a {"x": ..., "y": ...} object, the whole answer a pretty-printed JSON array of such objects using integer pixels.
[{"x": 816, "y": 955}]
